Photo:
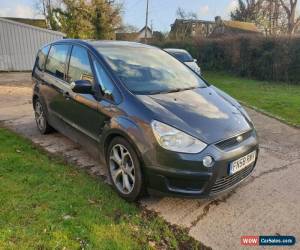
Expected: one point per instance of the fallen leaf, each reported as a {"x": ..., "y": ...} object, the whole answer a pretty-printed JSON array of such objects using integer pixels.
[
  {"x": 91, "y": 201},
  {"x": 152, "y": 244},
  {"x": 67, "y": 217}
]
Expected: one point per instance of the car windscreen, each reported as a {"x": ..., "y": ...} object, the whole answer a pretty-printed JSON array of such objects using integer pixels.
[
  {"x": 148, "y": 70},
  {"x": 182, "y": 56}
]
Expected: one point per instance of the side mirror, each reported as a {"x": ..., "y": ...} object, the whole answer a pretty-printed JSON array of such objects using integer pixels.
[
  {"x": 195, "y": 60},
  {"x": 82, "y": 87}
]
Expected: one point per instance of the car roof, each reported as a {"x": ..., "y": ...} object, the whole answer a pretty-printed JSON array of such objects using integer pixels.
[
  {"x": 118, "y": 44},
  {"x": 105, "y": 43},
  {"x": 175, "y": 50}
]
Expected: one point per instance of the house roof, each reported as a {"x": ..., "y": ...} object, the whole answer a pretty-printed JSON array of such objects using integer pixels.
[
  {"x": 109, "y": 43},
  {"x": 193, "y": 21},
  {"x": 41, "y": 23},
  {"x": 31, "y": 26},
  {"x": 246, "y": 26},
  {"x": 144, "y": 29}
]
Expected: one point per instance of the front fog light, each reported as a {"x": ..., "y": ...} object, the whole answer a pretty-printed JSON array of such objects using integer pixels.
[{"x": 208, "y": 161}]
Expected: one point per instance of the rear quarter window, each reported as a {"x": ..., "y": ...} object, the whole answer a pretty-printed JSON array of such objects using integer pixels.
[
  {"x": 41, "y": 58},
  {"x": 183, "y": 57}
]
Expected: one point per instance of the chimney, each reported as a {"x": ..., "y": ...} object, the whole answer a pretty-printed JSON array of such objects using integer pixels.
[{"x": 218, "y": 20}]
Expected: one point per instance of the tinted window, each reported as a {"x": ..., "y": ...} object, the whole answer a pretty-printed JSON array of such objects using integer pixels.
[
  {"x": 56, "y": 61},
  {"x": 148, "y": 70},
  {"x": 105, "y": 82},
  {"x": 79, "y": 67},
  {"x": 182, "y": 56},
  {"x": 41, "y": 58}
]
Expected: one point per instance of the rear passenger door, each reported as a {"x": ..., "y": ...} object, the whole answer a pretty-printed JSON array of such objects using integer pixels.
[
  {"x": 38, "y": 70},
  {"x": 55, "y": 84}
]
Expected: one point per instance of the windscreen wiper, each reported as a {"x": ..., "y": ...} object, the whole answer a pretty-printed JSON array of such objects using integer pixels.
[
  {"x": 170, "y": 91},
  {"x": 180, "y": 89}
]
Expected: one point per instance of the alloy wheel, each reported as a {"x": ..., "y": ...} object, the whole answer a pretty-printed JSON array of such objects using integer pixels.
[
  {"x": 122, "y": 168},
  {"x": 39, "y": 116}
]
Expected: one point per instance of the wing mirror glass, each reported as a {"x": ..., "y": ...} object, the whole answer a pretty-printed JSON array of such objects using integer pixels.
[{"x": 82, "y": 87}]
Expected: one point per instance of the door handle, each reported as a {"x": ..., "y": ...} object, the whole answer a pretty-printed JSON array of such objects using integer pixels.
[{"x": 66, "y": 95}]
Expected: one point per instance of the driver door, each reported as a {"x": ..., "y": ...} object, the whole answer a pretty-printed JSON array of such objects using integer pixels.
[{"x": 81, "y": 110}]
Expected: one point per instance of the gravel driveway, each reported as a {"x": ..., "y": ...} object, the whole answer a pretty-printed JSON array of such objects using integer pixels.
[{"x": 268, "y": 203}]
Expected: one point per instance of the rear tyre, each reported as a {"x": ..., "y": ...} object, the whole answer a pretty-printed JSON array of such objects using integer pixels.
[
  {"x": 124, "y": 169},
  {"x": 41, "y": 119}
]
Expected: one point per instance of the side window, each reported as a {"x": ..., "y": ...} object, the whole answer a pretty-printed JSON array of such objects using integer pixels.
[
  {"x": 56, "y": 62},
  {"x": 79, "y": 67},
  {"x": 107, "y": 87},
  {"x": 41, "y": 58}
]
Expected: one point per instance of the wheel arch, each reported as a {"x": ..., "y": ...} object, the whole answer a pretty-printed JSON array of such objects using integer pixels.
[
  {"x": 34, "y": 98},
  {"x": 113, "y": 133}
]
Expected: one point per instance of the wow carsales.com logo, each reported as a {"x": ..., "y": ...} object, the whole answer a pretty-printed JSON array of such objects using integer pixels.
[{"x": 268, "y": 240}]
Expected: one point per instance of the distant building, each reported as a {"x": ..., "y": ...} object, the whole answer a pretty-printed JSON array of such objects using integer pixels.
[
  {"x": 19, "y": 44},
  {"x": 139, "y": 36},
  {"x": 231, "y": 28},
  {"x": 40, "y": 23},
  {"x": 182, "y": 29},
  {"x": 142, "y": 34}
]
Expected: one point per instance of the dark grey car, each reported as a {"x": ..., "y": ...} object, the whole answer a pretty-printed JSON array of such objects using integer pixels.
[{"x": 156, "y": 124}]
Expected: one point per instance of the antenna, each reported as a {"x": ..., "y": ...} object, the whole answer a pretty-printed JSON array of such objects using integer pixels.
[{"x": 146, "y": 26}]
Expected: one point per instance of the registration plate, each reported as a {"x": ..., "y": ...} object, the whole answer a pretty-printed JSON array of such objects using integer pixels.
[{"x": 242, "y": 163}]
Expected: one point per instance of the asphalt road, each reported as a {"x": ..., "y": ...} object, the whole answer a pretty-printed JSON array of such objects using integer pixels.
[{"x": 267, "y": 203}]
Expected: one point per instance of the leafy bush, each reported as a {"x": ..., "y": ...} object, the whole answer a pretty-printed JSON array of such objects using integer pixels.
[{"x": 273, "y": 58}]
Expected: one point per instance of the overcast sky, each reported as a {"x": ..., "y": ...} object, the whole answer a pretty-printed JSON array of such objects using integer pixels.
[{"x": 161, "y": 12}]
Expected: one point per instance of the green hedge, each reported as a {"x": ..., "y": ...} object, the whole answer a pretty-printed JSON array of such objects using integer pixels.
[{"x": 276, "y": 59}]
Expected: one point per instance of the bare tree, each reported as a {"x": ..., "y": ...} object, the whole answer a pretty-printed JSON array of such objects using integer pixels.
[
  {"x": 128, "y": 28},
  {"x": 268, "y": 15},
  {"x": 260, "y": 12},
  {"x": 273, "y": 17},
  {"x": 247, "y": 10},
  {"x": 46, "y": 8},
  {"x": 182, "y": 14},
  {"x": 184, "y": 26},
  {"x": 290, "y": 7}
]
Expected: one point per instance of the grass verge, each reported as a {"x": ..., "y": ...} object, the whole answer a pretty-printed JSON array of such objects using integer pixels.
[
  {"x": 46, "y": 204},
  {"x": 281, "y": 100}
]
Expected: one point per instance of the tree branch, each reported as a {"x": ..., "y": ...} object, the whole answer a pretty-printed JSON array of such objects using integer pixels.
[
  {"x": 297, "y": 23},
  {"x": 285, "y": 7}
]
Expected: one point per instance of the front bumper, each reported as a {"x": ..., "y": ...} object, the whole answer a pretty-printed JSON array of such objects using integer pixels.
[{"x": 177, "y": 174}]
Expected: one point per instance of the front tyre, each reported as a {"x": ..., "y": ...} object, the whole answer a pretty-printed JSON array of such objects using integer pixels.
[
  {"x": 124, "y": 169},
  {"x": 40, "y": 118}
]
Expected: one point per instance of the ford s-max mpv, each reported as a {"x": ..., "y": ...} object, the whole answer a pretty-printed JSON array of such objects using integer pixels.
[{"x": 156, "y": 124}]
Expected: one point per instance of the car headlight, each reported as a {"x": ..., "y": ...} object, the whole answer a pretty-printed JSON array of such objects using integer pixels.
[{"x": 175, "y": 140}]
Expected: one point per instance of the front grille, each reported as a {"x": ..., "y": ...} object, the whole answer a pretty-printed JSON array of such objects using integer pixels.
[
  {"x": 231, "y": 142},
  {"x": 226, "y": 182}
]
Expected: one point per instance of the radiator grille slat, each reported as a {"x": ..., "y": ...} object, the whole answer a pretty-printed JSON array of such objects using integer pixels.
[
  {"x": 231, "y": 142},
  {"x": 226, "y": 182}
]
